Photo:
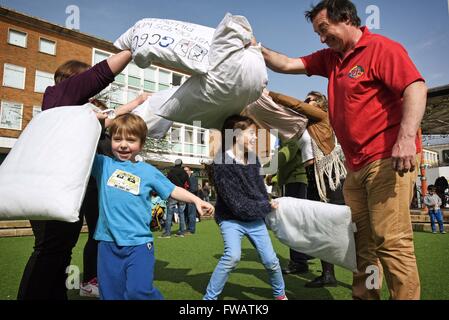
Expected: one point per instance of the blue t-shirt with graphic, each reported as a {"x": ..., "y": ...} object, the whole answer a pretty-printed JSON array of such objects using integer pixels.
[{"x": 125, "y": 200}]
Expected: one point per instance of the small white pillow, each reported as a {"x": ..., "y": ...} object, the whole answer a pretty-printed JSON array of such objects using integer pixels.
[{"x": 322, "y": 230}]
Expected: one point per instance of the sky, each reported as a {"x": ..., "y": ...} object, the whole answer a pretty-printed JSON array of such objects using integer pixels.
[{"x": 422, "y": 27}]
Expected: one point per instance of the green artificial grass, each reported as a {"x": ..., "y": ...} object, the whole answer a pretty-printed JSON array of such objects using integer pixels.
[{"x": 184, "y": 266}]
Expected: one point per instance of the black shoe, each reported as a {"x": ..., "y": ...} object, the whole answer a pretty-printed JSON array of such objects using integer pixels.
[
  {"x": 325, "y": 280},
  {"x": 295, "y": 268}
]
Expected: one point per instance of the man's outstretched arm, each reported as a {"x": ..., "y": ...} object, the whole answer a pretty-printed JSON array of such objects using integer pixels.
[{"x": 279, "y": 62}]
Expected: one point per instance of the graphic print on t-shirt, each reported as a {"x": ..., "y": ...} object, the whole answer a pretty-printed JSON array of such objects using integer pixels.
[{"x": 125, "y": 181}]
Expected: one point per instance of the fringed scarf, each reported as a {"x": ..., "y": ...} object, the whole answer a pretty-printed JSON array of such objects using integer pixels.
[{"x": 329, "y": 166}]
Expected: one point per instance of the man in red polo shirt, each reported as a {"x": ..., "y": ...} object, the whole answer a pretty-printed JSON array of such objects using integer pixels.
[{"x": 377, "y": 99}]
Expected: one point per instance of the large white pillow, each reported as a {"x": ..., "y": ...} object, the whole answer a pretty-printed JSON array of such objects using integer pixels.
[
  {"x": 236, "y": 77},
  {"x": 319, "y": 229},
  {"x": 176, "y": 44},
  {"x": 44, "y": 177}
]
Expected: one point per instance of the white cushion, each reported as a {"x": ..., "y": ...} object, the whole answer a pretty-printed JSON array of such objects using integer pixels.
[
  {"x": 322, "y": 230},
  {"x": 174, "y": 44},
  {"x": 237, "y": 77},
  {"x": 44, "y": 177}
]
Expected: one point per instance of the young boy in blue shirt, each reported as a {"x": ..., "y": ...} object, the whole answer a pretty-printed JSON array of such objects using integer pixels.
[{"x": 126, "y": 252}]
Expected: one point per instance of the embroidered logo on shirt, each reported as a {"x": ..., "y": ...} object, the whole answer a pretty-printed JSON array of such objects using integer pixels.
[
  {"x": 356, "y": 72},
  {"x": 125, "y": 181}
]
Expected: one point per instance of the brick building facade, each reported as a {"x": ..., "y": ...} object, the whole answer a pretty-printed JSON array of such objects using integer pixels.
[{"x": 30, "y": 51}]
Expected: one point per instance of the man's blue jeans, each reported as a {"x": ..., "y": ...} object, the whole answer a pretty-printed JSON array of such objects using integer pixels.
[
  {"x": 435, "y": 214},
  {"x": 191, "y": 212},
  {"x": 233, "y": 232},
  {"x": 172, "y": 205}
]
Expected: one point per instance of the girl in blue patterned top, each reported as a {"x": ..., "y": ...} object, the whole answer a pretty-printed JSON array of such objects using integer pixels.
[{"x": 242, "y": 204}]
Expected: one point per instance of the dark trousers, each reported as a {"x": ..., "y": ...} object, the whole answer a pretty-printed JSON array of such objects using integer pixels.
[
  {"x": 333, "y": 196},
  {"x": 45, "y": 273},
  {"x": 297, "y": 190},
  {"x": 90, "y": 211},
  {"x": 442, "y": 196}
]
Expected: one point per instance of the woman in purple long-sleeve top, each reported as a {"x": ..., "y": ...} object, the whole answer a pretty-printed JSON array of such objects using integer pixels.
[{"x": 45, "y": 273}]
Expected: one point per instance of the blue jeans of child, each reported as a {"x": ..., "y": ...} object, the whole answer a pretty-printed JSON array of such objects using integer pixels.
[
  {"x": 172, "y": 204},
  {"x": 233, "y": 232},
  {"x": 126, "y": 273},
  {"x": 435, "y": 214}
]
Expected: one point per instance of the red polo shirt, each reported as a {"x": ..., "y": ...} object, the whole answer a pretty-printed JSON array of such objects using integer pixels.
[{"x": 365, "y": 95}]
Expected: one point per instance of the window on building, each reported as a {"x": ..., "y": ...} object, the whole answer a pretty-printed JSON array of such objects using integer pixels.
[
  {"x": 117, "y": 95},
  {"x": 189, "y": 135},
  {"x": 175, "y": 134},
  {"x": 134, "y": 75},
  {"x": 43, "y": 80},
  {"x": 165, "y": 79},
  {"x": 36, "y": 110},
  {"x": 201, "y": 137},
  {"x": 11, "y": 115},
  {"x": 100, "y": 56},
  {"x": 188, "y": 140},
  {"x": 175, "y": 138},
  {"x": 201, "y": 147},
  {"x": 14, "y": 76},
  {"x": 149, "y": 75},
  {"x": 17, "y": 38},
  {"x": 177, "y": 79},
  {"x": 47, "y": 46}
]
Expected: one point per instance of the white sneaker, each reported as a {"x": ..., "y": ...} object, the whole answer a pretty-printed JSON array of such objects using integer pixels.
[{"x": 90, "y": 289}]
